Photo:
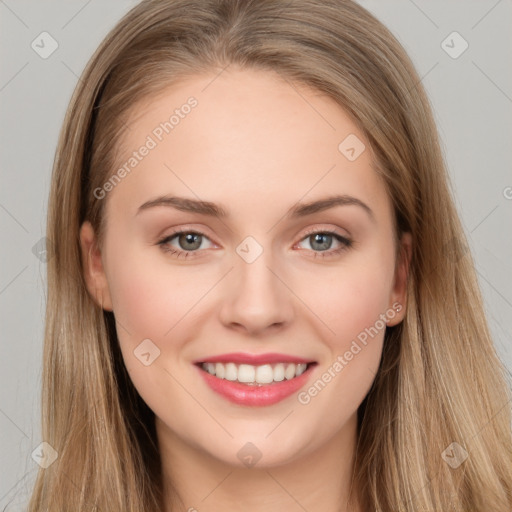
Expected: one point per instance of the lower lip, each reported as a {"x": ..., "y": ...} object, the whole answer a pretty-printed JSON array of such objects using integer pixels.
[{"x": 266, "y": 394}]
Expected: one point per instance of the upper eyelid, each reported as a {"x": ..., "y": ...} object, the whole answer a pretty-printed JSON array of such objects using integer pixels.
[
  {"x": 309, "y": 232},
  {"x": 334, "y": 231},
  {"x": 185, "y": 230}
]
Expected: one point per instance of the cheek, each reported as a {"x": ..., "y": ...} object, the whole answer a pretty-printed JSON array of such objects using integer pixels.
[
  {"x": 353, "y": 304},
  {"x": 149, "y": 299},
  {"x": 157, "y": 301},
  {"x": 152, "y": 302},
  {"x": 348, "y": 299},
  {"x": 354, "y": 308}
]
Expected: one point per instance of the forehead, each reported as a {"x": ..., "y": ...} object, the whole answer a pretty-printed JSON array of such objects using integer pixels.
[{"x": 248, "y": 138}]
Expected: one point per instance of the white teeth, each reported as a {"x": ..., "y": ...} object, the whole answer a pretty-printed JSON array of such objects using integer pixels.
[
  {"x": 279, "y": 372},
  {"x": 220, "y": 371},
  {"x": 289, "y": 372},
  {"x": 231, "y": 372},
  {"x": 301, "y": 368},
  {"x": 264, "y": 374},
  {"x": 249, "y": 374},
  {"x": 246, "y": 373}
]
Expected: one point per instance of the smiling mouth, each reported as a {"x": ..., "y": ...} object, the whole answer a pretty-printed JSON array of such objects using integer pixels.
[{"x": 256, "y": 375}]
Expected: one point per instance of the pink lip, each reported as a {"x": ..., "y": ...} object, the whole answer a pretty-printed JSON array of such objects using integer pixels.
[
  {"x": 252, "y": 395},
  {"x": 253, "y": 359}
]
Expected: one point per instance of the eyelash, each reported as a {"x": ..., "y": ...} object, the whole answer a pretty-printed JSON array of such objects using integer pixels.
[{"x": 346, "y": 243}]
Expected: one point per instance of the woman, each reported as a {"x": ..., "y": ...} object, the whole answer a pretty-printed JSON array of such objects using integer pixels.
[{"x": 322, "y": 344}]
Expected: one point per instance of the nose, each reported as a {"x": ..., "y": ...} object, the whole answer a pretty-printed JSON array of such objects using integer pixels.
[{"x": 255, "y": 297}]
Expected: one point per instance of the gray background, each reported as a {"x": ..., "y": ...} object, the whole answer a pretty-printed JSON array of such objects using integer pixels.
[{"x": 472, "y": 100}]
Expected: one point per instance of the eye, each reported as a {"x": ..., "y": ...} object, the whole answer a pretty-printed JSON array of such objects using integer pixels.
[
  {"x": 188, "y": 242},
  {"x": 321, "y": 242}
]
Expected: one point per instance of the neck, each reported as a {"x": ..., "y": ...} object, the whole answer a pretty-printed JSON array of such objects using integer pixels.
[{"x": 320, "y": 481}]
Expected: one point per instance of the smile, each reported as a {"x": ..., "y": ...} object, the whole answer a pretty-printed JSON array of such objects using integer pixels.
[
  {"x": 255, "y": 380},
  {"x": 255, "y": 375}
]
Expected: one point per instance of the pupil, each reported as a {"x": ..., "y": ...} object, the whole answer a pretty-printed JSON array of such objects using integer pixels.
[
  {"x": 318, "y": 239},
  {"x": 191, "y": 238}
]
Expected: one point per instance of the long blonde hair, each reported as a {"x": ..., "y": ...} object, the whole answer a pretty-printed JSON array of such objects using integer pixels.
[{"x": 440, "y": 380}]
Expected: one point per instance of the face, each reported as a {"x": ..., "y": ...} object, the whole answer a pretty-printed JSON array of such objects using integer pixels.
[{"x": 255, "y": 281}]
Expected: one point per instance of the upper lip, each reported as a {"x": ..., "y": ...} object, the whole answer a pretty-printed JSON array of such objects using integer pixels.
[{"x": 253, "y": 359}]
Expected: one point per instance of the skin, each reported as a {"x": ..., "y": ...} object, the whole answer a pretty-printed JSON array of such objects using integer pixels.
[{"x": 256, "y": 145}]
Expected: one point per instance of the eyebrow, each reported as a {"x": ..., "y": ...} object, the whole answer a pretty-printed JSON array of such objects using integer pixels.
[{"x": 214, "y": 210}]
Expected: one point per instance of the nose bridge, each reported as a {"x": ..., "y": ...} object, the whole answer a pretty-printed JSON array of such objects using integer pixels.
[{"x": 255, "y": 296}]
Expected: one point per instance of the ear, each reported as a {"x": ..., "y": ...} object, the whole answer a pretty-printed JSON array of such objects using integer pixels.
[
  {"x": 94, "y": 273},
  {"x": 398, "y": 298}
]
